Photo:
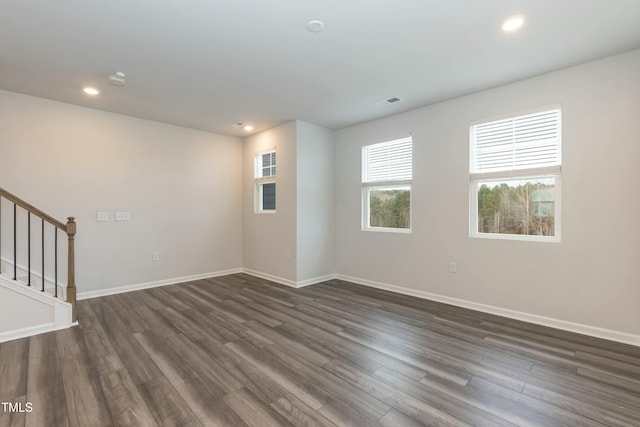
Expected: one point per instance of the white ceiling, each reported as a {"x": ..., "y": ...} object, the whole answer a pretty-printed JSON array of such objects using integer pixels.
[{"x": 206, "y": 64}]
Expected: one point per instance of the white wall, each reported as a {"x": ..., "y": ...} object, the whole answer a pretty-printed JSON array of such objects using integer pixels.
[
  {"x": 296, "y": 243},
  {"x": 20, "y": 312},
  {"x": 270, "y": 237},
  {"x": 181, "y": 186},
  {"x": 591, "y": 277},
  {"x": 315, "y": 202}
]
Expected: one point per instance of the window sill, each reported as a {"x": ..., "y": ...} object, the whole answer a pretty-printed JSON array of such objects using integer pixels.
[
  {"x": 519, "y": 237},
  {"x": 388, "y": 230}
]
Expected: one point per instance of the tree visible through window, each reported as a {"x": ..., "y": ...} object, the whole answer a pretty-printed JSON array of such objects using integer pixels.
[
  {"x": 390, "y": 208},
  {"x": 515, "y": 177},
  {"x": 512, "y": 207},
  {"x": 387, "y": 170}
]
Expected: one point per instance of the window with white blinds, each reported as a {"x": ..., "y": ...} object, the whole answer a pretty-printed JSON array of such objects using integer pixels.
[
  {"x": 517, "y": 143},
  {"x": 387, "y": 170},
  {"x": 515, "y": 173},
  {"x": 388, "y": 161}
]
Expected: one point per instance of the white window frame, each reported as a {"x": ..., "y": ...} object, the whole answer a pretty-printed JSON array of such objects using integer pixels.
[
  {"x": 476, "y": 179},
  {"x": 260, "y": 181},
  {"x": 388, "y": 184}
]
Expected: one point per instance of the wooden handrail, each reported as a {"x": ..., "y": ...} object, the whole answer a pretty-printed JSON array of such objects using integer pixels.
[
  {"x": 70, "y": 229},
  {"x": 29, "y": 207}
]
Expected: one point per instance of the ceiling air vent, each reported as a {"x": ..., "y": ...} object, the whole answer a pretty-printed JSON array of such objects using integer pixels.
[
  {"x": 117, "y": 79},
  {"x": 385, "y": 102}
]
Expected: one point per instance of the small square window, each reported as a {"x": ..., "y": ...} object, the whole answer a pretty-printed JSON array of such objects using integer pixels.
[{"x": 268, "y": 196}]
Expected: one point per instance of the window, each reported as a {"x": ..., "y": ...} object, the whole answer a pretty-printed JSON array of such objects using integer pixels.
[
  {"x": 387, "y": 170},
  {"x": 265, "y": 182},
  {"x": 515, "y": 167}
]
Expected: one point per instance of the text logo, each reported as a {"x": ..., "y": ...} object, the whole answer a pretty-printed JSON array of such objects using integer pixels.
[{"x": 16, "y": 407}]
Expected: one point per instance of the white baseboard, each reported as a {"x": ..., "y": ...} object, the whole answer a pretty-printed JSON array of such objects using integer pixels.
[
  {"x": 579, "y": 328},
  {"x": 158, "y": 283},
  {"x": 270, "y": 277},
  {"x": 314, "y": 280},
  {"x": 176, "y": 280},
  {"x": 287, "y": 282},
  {"x": 32, "y": 330}
]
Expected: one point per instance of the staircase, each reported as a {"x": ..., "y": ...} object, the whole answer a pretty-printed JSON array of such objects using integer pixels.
[{"x": 37, "y": 270}]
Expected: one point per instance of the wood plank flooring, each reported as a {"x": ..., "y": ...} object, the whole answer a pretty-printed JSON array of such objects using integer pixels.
[{"x": 240, "y": 351}]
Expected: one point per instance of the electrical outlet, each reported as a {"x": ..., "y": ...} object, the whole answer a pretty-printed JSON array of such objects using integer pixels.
[
  {"x": 155, "y": 256},
  {"x": 102, "y": 216},
  {"x": 453, "y": 267}
]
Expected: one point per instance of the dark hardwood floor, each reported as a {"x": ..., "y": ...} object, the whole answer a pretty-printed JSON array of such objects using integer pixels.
[{"x": 238, "y": 351}]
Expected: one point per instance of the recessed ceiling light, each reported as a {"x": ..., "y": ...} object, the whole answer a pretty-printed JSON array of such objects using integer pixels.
[
  {"x": 248, "y": 128},
  {"x": 512, "y": 23},
  {"x": 90, "y": 90},
  {"x": 315, "y": 26}
]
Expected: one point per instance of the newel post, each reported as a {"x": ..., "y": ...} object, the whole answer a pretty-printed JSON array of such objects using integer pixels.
[{"x": 71, "y": 281}]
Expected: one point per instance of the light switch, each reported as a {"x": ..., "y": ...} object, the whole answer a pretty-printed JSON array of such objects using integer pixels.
[
  {"x": 102, "y": 216},
  {"x": 122, "y": 216}
]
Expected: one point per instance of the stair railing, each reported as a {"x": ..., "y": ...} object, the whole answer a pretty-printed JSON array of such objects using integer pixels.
[{"x": 69, "y": 228}]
